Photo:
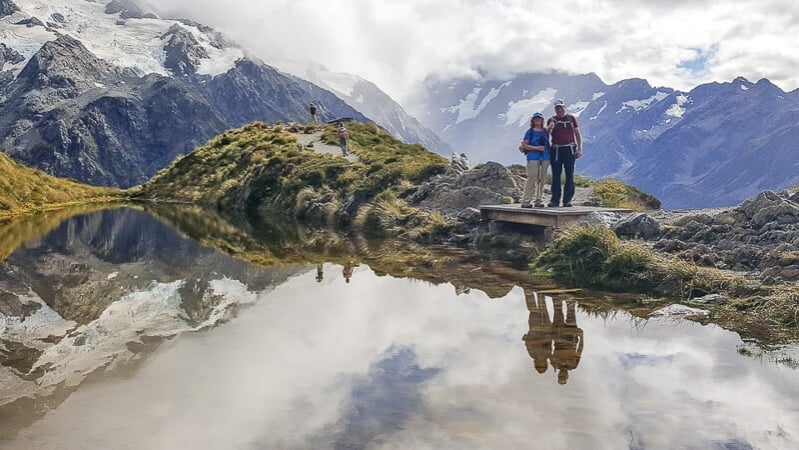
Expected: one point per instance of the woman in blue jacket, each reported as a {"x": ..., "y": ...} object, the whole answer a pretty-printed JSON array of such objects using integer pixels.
[{"x": 536, "y": 146}]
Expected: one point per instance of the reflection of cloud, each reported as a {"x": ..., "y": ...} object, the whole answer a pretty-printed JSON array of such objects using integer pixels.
[
  {"x": 421, "y": 367},
  {"x": 630, "y": 360}
]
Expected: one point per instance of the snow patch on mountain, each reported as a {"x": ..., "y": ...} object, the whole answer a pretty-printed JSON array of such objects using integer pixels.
[
  {"x": 342, "y": 83},
  {"x": 132, "y": 43},
  {"x": 519, "y": 112},
  {"x": 599, "y": 113},
  {"x": 466, "y": 109},
  {"x": 677, "y": 110},
  {"x": 576, "y": 108},
  {"x": 597, "y": 96},
  {"x": 638, "y": 105}
]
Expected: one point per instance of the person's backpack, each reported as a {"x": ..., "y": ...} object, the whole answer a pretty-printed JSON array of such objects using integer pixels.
[{"x": 342, "y": 133}]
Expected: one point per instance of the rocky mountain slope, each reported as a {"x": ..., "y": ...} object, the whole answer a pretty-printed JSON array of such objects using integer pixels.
[
  {"x": 107, "y": 93},
  {"x": 716, "y": 145}
]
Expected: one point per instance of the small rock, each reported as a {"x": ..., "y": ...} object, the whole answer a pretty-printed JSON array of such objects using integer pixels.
[
  {"x": 678, "y": 310},
  {"x": 711, "y": 299},
  {"x": 470, "y": 215}
]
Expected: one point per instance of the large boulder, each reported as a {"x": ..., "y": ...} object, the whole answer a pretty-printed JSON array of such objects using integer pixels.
[
  {"x": 770, "y": 207},
  {"x": 639, "y": 225},
  {"x": 489, "y": 183}
]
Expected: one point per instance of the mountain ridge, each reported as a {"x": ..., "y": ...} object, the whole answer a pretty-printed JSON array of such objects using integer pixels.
[
  {"x": 662, "y": 140},
  {"x": 109, "y": 94}
]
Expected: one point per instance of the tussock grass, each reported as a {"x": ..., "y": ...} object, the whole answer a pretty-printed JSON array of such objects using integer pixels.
[
  {"x": 388, "y": 216},
  {"x": 24, "y": 190},
  {"x": 616, "y": 194},
  {"x": 595, "y": 256},
  {"x": 260, "y": 170}
]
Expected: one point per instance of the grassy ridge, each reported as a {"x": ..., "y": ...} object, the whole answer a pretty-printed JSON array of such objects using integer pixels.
[
  {"x": 260, "y": 170},
  {"x": 25, "y": 190}
]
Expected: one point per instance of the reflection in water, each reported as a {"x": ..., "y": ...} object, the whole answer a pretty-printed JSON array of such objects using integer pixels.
[
  {"x": 320, "y": 273},
  {"x": 555, "y": 339},
  {"x": 316, "y": 362},
  {"x": 347, "y": 271},
  {"x": 99, "y": 291}
]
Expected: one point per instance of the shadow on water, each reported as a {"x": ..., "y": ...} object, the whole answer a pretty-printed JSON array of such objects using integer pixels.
[{"x": 88, "y": 293}]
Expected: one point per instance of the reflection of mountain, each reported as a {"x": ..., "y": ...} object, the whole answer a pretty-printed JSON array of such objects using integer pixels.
[
  {"x": 555, "y": 339},
  {"x": 100, "y": 289}
]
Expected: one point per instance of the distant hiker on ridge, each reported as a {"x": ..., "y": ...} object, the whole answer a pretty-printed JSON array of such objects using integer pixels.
[
  {"x": 343, "y": 137},
  {"x": 535, "y": 146},
  {"x": 312, "y": 109},
  {"x": 567, "y": 145}
]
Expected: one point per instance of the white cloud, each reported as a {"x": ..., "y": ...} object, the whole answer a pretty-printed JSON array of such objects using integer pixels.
[{"x": 397, "y": 44}]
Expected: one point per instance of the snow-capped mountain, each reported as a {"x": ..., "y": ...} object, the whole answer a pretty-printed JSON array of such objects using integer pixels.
[
  {"x": 373, "y": 103},
  {"x": 108, "y": 93},
  {"x": 716, "y": 145}
]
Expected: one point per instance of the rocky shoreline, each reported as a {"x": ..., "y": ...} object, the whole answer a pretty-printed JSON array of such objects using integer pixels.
[{"x": 759, "y": 238}]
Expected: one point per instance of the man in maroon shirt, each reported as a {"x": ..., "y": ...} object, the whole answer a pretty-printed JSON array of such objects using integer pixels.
[{"x": 567, "y": 145}]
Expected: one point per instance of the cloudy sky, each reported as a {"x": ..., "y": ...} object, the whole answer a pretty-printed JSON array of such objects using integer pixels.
[{"x": 398, "y": 43}]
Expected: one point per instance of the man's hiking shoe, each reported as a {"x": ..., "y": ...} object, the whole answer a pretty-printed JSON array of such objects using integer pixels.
[
  {"x": 552, "y": 205},
  {"x": 539, "y": 205},
  {"x": 567, "y": 205},
  {"x": 526, "y": 205}
]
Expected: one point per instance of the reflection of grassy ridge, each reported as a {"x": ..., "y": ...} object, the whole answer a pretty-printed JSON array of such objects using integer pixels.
[
  {"x": 259, "y": 170},
  {"x": 596, "y": 257},
  {"x": 25, "y": 190},
  {"x": 16, "y": 231},
  {"x": 283, "y": 243}
]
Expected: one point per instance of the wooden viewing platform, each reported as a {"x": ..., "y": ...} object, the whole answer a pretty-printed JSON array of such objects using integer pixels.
[{"x": 552, "y": 218}]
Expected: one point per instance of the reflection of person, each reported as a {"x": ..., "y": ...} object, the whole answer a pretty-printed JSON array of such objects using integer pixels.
[
  {"x": 567, "y": 145},
  {"x": 347, "y": 271},
  {"x": 539, "y": 339},
  {"x": 535, "y": 146},
  {"x": 319, "y": 273},
  {"x": 568, "y": 341},
  {"x": 557, "y": 340}
]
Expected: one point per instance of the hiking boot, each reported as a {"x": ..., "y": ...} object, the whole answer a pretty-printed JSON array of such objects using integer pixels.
[
  {"x": 526, "y": 205},
  {"x": 539, "y": 205},
  {"x": 567, "y": 205},
  {"x": 552, "y": 205}
]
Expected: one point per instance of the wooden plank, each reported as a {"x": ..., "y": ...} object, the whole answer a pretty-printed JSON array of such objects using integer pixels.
[{"x": 546, "y": 217}]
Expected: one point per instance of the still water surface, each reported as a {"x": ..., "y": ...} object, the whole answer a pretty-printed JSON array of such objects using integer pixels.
[{"x": 184, "y": 347}]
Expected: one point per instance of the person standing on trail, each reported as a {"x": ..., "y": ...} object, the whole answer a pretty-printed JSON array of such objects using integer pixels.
[
  {"x": 343, "y": 137},
  {"x": 312, "y": 109},
  {"x": 567, "y": 146},
  {"x": 535, "y": 146}
]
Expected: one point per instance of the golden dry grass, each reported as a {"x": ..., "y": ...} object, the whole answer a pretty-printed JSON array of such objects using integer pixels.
[{"x": 24, "y": 190}]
